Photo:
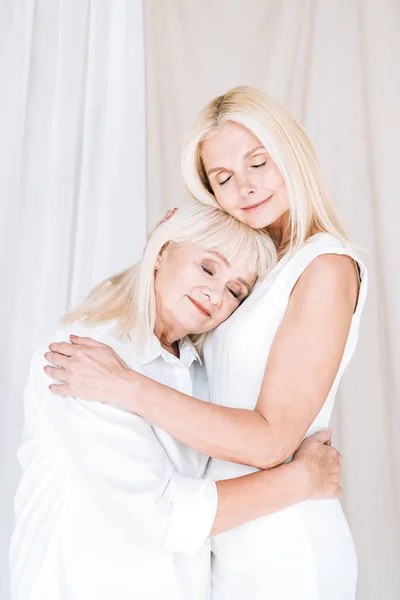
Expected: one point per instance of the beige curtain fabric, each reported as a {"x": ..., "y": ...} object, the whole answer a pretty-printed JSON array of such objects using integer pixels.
[{"x": 335, "y": 66}]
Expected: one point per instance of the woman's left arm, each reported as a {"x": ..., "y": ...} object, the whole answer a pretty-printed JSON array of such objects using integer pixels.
[{"x": 301, "y": 368}]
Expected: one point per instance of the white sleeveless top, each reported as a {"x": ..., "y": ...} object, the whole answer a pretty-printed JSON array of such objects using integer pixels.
[{"x": 236, "y": 355}]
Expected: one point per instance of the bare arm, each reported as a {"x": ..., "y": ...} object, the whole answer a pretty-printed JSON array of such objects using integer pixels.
[
  {"x": 314, "y": 473},
  {"x": 115, "y": 457},
  {"x": 302, "y": 365}
]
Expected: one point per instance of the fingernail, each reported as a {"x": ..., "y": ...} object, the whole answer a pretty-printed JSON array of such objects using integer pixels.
[{"x": 74, "y": 337}]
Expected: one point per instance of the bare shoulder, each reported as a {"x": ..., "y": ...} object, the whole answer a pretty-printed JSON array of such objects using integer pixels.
[
  {"x": 329, "y": 275},
  {"x": 331, "y": 267}
]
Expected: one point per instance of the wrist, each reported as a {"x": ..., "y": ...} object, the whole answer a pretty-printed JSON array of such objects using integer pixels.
[
  {"x": 129, "y": 390},
  {"x": 300, "y": 479}
]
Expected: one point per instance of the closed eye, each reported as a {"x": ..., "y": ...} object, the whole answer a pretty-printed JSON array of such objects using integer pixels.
[
  {"x": 207, "y": 270},
  {"x": 258, "y": 166},
  {"x": 225, "y": 180},
  {"x": 235, "y": 295}
]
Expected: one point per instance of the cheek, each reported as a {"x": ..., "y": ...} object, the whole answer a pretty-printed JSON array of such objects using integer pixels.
[
  {"x": 228, "y": 199},
  {"x": 168, "y": 284},
  {"x": 162, "y": 290},
  {"x": 277, "y": 185},
  {"x": 278, "y": 181},
  {"x": 189, "y": 280}
]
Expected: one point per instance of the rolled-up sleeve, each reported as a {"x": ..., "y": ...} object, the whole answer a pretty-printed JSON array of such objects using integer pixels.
[
  {"x": 116, "y": 457},
  {"x": 192, "y": 513}
]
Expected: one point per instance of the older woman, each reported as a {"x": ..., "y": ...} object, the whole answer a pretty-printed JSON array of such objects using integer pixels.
[
  {"x": 274, "y": 368},
  {"x": 109, "y": 506}
]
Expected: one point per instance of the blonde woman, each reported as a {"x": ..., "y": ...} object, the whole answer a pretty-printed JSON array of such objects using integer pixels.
[
  {"x": 110, "y": 507},
  {"x": 274, "y": 367}
]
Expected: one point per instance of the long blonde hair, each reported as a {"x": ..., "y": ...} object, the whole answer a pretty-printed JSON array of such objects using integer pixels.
[
  {"x": 129, "y": 296},
  {"x": 311, "y": 209}
]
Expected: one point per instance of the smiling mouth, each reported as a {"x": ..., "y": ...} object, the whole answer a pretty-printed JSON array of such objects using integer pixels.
[
  {"x": 254, "y": 206},
  {"x": 200, "y": 307}
]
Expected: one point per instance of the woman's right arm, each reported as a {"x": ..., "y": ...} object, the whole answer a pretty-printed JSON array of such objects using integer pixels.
[
  {"x": 314, "y": 473},
  {"x": 117, "y": 458}
]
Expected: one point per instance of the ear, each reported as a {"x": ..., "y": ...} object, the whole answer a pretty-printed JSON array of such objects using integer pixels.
[{"x": 163, "y": 253}]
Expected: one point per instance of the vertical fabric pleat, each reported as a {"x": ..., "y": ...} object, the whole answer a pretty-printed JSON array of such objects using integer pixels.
[{"x": 72, "y": 180}]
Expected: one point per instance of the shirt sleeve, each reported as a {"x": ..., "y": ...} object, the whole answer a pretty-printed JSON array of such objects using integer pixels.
[{"x": 117, "y": 458}]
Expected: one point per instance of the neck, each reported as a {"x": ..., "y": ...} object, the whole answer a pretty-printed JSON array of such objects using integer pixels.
[
  {"x": 280, "y": 232},
  {"x": 168, "y": 337}
]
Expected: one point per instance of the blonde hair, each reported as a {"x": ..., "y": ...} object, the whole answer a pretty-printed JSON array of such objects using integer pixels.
[
  {"x": 311, "y": 209},
  {"x": 129, "y": 296}
]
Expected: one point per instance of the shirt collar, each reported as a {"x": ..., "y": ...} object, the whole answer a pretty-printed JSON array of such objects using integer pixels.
[{"x": 153, "y": 349}]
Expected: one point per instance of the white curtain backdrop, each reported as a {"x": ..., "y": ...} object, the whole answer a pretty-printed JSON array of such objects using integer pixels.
[
  {"x": 72, "y": 180},
  {"x": 335, "y": 66},
  {"x": 72, "y": 185}
]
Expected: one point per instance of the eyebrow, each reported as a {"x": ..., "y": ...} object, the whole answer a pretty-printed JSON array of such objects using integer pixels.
[
  {"x": 246, "y": 156},
  {"x": 228, "y": 264},
  {"x": 221, "y": 256}
]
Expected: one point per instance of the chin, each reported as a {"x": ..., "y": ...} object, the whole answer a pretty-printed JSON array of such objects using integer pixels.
[
  {"x": 192, "y": 327},
  {"x": 260, "y": 221},
  {"x": 256, "y": 223},
  {"x": 265, "y": 219}
]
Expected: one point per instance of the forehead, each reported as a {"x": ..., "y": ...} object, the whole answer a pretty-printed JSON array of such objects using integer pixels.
[{"x": 231, "y": 139}]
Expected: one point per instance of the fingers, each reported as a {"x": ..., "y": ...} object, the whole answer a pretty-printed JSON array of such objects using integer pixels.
[
  {"x": 59, "y": 389},
  {"x": 335, "y": 453},
  {"x": 62, "y": 348},
  {"x": 85, "y": 341},
  {"x": 324, "y": 436},
  {"x": 69, "y": 349},
  {"x": 56, "y": 359},
  {"x": 169, "y": 214},
  {"x": 55, "y": 373}
]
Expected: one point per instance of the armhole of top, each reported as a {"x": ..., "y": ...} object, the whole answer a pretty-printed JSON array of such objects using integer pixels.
[
  {"x": 305, "y": 260},
  {"x": 358, "y": 273}
]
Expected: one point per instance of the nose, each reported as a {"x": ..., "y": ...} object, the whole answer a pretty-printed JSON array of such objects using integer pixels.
[
  {"x": 246, "y": 187},
  {"x": 213, "y": 294}
]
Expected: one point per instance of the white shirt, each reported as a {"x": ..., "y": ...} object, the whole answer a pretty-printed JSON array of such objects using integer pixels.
[{"x": 109, "y": 507}]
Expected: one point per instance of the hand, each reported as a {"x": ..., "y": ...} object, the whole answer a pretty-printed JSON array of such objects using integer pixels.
[
  {"x": 321, "y": 464},
  {"x": 169, "y": 214},
  {"x": 89, "y": 370}
]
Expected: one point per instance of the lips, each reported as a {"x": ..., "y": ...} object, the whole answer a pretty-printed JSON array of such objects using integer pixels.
[
  {"x": 200, "y": 307},
  {"x": 257, "y": 204}
]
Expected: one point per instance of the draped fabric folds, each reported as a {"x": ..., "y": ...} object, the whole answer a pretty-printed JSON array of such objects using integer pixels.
[{"x": 72, "y": 179}]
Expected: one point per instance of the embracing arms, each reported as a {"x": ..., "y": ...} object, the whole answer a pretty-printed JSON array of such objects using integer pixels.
[
  {"x": 117, "y": 459},
  {"x": 301, "y": 368}
]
